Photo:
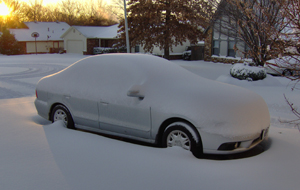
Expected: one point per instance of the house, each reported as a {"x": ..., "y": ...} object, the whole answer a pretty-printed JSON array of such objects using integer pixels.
[
  {"x": 41, "y": 37},
  {"x": 83, "y": 39},
  {"x": 175, "y": 52},
  {"x": 257, "y": 23},
  {"x": 220, "y": 47}
]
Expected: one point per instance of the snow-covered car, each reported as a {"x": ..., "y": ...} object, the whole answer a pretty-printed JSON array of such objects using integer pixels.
[
  {"x": 285, "y": 66},
  {"x": 186, "y": 55},
  {"x": 147, "y": 98},
  {"x": 102, "y": 50}
]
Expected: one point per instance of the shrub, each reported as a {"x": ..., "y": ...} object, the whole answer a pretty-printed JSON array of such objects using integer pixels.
[{"x": 246, "y": 72}]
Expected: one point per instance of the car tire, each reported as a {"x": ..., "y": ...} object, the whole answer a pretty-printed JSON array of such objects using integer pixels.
[
  {"x": 60, "y": 112},
  {"x": 287, "y": 72},
  {"x": 187, "y": 57},
  {"x": 183, "y": 135}
]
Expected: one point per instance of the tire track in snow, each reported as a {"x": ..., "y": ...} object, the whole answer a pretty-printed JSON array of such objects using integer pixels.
[
  {"x": 34, "y": 70},
  {"x": 12, "y": 85}
]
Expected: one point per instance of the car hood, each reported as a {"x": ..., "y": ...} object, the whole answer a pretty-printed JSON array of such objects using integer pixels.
[{"x": 214, "y": 107}]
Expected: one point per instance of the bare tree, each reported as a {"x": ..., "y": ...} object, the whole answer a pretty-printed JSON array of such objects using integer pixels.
[
  {"x": 16, "y": 17},
  {"x": 36, "y": 10},
  {"x": 258, "y": 23},
  {"x": 70, "y": 11},
  {"x": 289, "y": 44},
  {"x": 96, "y": 13},
  {"x": 117, "y": 8},
  {"x": 289, "y": 50}
]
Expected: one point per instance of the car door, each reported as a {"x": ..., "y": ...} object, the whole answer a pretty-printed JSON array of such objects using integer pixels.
[
  {"x": 121, "y": 110},
  {"x": 84, "y": 111},
  {"x": 129, "y": 115}
]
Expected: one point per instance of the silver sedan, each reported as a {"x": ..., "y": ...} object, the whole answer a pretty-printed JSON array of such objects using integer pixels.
[{"x": 150, "y": 99}]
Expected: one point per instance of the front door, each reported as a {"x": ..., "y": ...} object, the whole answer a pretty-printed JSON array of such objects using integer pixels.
[{"x": 130, "y": 117}]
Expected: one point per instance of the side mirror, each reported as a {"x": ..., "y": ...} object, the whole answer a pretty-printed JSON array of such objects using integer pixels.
[{"x": 136, "y": 91}]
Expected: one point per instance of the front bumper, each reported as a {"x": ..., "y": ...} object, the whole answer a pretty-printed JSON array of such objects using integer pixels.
[
  {"x": 244, "y": 145},
  {"x": 232, "y": 147}
]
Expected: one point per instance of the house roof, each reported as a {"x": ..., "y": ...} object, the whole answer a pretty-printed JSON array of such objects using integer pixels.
[
  {"x": 48, "y": 31},
  {"x": 104, "y": 32}
]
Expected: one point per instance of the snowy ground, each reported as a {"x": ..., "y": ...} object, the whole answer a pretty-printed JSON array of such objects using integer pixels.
[{"x": 35, "y": 154}]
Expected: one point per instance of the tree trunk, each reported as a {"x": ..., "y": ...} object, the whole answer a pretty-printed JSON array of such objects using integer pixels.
[{"x": 167, "y": 52}]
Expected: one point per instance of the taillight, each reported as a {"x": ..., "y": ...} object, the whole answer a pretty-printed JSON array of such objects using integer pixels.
[{"x": 36, "y": 95}]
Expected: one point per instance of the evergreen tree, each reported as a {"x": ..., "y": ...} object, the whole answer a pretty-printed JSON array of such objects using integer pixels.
[
  {"x": 8, "y": 43},
  {"x": 165, "y": 22}
]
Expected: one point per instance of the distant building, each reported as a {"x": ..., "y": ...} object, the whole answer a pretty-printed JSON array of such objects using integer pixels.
[
  {"x": 48, "y": 40},
  {"x": 83, "y": 39}
]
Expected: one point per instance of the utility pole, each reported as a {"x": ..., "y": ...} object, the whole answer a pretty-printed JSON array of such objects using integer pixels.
[{"x": 126, "y": 28}]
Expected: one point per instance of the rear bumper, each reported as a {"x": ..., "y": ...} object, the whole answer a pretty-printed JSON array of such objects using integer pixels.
[{"x": 42, "y": 108}]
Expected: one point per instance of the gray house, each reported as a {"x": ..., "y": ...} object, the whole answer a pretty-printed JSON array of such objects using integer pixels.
[{"x": 221, "y": 45}]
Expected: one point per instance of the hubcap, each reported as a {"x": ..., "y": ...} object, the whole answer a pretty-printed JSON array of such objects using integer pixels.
[
  {"x": 60, "y": 115},
  {"x": 179, "y": 138}
]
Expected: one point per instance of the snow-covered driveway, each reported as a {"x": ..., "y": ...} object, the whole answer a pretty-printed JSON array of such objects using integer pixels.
[
  {"x": 19, "y": 74},
  {"x": 35, "y": 154}
]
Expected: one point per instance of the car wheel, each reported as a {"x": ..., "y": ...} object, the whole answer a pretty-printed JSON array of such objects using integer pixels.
[
  {"x": 183, "y": 135},
  {"x": 60, "y": 112},
  {"x": 187, "y": 57},
  {"x": 287, "y": 72}
]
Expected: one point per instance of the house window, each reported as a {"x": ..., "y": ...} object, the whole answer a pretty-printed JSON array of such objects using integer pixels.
[
  {"x": 216, "y": 47},
  {"x": 104, "y": 43},
  {"x": 231, "y": 51},
  {"x": 137, "y": 49}
]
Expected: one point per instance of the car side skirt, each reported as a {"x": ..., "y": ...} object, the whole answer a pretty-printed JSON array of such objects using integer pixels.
[{"x": 95, "y": 130}]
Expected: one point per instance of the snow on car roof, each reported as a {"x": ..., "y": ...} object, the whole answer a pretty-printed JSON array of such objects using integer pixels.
[{"x": 285, "y": 59}]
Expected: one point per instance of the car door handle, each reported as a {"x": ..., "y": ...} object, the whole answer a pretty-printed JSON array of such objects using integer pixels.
[
  {"x": 67, "y": 96},
  {"x": 104, "y": 103}
]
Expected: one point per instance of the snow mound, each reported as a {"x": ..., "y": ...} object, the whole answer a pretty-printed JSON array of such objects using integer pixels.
[{"x": 268, "y": 81}]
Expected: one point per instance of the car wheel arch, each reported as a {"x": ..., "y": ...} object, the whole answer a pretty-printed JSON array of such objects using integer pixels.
[
  {"x": 61, "y": 112},
  {"x": 168, "y": 122},
  {"x": 53, "y": 106},
  {"x": 287, "y": 72}
]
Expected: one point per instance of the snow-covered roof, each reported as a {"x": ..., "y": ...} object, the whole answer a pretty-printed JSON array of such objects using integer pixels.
[
  {"x": 48, "y": 31},
  {"x": 104, "y": 32}
]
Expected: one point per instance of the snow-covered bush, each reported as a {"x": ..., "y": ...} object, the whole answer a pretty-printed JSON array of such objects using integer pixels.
[
  {"x": 102, "y": 50},
  {"x": 246, "y": 72}
]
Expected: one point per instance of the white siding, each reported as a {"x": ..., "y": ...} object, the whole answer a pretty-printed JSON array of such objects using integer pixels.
[
  {"x": 75, "y": 42},
  {"x": 75, "y": 46},
  {"x": 43, "y": 47}
]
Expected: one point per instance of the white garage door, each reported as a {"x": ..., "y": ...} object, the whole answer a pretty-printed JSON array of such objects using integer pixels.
[{"x": 75, "y": 46}]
